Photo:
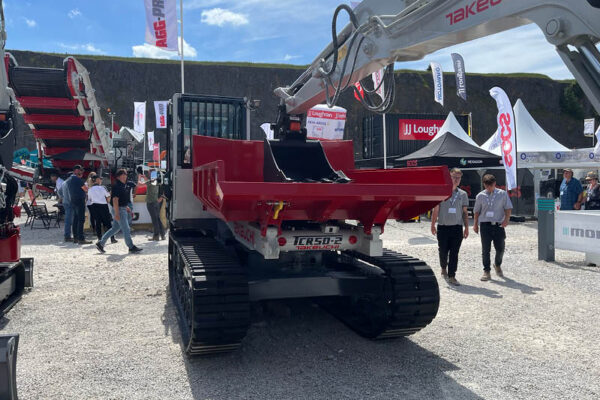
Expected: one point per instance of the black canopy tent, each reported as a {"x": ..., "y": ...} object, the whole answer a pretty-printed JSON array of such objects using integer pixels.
[{"x": 451, "y": 151}]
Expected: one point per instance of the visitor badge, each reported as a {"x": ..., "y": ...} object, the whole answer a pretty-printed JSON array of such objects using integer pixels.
[
  {"x": 489, "y": 214},
  {"x": 451, "y": 210}
]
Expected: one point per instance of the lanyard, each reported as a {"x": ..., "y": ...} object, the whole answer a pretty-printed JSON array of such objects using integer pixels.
[
  {"x": 453, "y": 198},
  {"x": 490, "y": 199}
]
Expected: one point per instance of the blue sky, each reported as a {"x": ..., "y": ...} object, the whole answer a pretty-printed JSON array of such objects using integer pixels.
[{"x": 269, "y": 31}]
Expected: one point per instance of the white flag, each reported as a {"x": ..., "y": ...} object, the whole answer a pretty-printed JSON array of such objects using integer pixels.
[
  {"x": 597, "y": 148},
  {"x": 377, "y": 77},
  {"x": 438, "y": 82},
  {"x": 160, "y": 110},
  {"x": 266, "y": 127},
  {"x": 161, "y": 24},
  {"x": 139, "y": 116},
  {"x": 506, "y": 135},
  {"x": 495, "y": 141},
  {"x": 151, "y": 140}
]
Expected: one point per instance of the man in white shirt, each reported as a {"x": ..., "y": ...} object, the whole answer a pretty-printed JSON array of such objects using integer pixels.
[
  {"x": 451, "y": 217},
  {"x": 492, "y": 211},
  {"x": 58, "y": 182}
]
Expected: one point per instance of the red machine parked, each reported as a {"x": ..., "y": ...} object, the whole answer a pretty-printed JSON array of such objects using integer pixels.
[{"x": 261, "y": 220}]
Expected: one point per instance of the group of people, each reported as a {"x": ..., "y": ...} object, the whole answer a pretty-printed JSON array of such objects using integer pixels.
[
  {"x": 74, "y": 195},
  {"x": 491, "y": 214},
  {"x": 571, "y": 192}
]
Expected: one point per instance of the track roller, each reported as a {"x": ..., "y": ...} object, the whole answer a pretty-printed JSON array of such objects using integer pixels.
[
  {"x": 408, "y": 302},
  {"x": 210, "y": 290}
]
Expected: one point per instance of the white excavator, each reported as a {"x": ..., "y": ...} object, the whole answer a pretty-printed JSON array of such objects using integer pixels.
[
  {"x": 291, "y": 217},
  {"x": 16, "y": 272}
]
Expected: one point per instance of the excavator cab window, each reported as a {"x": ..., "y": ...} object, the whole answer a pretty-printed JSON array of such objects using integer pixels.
[{"x": 216, "y": 117}]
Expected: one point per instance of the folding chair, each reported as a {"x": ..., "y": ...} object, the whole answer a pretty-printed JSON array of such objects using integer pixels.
[
  {"x": 29, "y": 213},
  {"x": 40, "y": 213}
]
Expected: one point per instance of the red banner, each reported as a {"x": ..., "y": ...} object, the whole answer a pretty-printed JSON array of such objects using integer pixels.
[
  {"x": 156, "y": 152},
  {"x": 418, "y": 129}
]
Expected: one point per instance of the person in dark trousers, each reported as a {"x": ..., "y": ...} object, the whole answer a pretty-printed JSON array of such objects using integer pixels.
[
  {"x": 131, "y": 188},
  {"x": 491, "y": 214},
  {"x": 154, "y": 201},
  {"x": 452, "y": 226},
  {"x": 592, "y": 201},
  {"x": 77, "y": 191},
  {"x": 98, "y": 198},
  {"x": 571, "y": 192},
  {"x": 120, "y": 200},
  {"x": 65, "y": 199}
]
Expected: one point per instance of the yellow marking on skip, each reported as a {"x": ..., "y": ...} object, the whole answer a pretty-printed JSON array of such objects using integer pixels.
[{"x": 278, "y": 208}]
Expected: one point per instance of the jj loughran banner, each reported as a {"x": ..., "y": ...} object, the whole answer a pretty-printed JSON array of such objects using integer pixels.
[
  {"x": 506, "y": 135},
  {"x": 459, "y": 71},
  {"x": 438, "y": 82},
  {"x": 161, "y": 24}
]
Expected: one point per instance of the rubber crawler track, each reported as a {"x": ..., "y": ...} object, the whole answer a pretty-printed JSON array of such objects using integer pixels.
[
  {"x": 210, "y": 290},
  {"x": 409, "y": 301}
]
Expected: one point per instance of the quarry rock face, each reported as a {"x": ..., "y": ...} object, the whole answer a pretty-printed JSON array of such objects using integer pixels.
[{"x": 119, "y": 82}]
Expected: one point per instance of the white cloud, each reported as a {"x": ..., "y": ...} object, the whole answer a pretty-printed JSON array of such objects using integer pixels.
[
  {"x": 289, "y": 57},
  {"x": 148, "y": 51},
  {"x": 74, "y": 13},
  {"x": 86, "y": 47},
  {"x": 30, "y": 22},
  {"x": 221, "y": 17}
]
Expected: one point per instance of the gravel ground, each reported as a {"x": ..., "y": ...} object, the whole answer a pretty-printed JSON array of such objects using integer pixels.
[{"x": 102, "y": 327}]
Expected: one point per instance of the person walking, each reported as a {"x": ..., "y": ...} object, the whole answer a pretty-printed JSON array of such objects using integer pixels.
[
  {"x": 120, "y": 199},
  {"x": 491, "y": 214},
  {"x": 571, "y": 191},
  {"x": 154, "y": 201},
  {"x": 451, "y": 217},
  {"x": 89, "y": 182},
  {"x": 77, "y": 192},
  {"x": 592, "y": 201},
  {"x": 98, "y": 198}
]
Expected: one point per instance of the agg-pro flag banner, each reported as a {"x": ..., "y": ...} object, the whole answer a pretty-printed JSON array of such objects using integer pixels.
[
  {"x": 459, "y": 71},
  {"x": 161, "y": 24},
  {"x": 139, "y": 116},
  {"x": 160, "y": 110},
  {"x": 506, "y": 135},
  {"x": 438, "y": 82},
  {"x": 150, "y": 140}
]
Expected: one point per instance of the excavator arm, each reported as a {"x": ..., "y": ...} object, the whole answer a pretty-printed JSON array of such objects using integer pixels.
[
  {"x": 6, "y": 100},
  {"x": 382, "y": 32}
]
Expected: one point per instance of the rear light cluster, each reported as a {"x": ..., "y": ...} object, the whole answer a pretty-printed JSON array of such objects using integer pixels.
[
  {"x": 352, "y": 239},
  {"x": 282, "y": 242}
]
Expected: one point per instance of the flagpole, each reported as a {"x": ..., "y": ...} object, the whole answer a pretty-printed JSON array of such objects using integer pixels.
[
  {"x": 181, "y": 45},
  {"x": 384, "y": 144},
  {"x": 144, "y": 144}
]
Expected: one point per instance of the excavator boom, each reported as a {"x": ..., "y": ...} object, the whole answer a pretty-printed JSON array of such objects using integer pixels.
[{"x": 382, "y": 32}]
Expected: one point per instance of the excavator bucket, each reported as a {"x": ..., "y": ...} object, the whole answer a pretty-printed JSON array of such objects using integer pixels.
[{"x": 298, "y": 161}]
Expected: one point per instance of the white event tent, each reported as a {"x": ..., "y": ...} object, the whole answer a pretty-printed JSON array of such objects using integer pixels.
[
  {"x": 530, "y": 136},
  {"x": 452, "y": 125}
]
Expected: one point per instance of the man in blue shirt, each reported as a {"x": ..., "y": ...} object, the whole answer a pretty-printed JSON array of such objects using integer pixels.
[
  {"x": 571, "y": 191},
  {"x": 77, "y": 191},
  {"x": 65, "y": 199}
]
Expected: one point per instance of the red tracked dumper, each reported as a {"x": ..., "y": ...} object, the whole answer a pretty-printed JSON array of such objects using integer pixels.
[{"x": 290, "y": 218}]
